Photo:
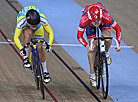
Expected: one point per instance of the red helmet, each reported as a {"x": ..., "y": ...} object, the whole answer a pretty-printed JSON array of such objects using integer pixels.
[{"x": 94, "y": 13}]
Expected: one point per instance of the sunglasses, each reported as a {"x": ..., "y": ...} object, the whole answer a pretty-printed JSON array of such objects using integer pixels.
[{"x": 32, "y": 25}]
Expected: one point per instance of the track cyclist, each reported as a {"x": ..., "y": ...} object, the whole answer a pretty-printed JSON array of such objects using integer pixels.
[
  {"x": 31, "y": 22},
  {"x": 95, "y": 15}
]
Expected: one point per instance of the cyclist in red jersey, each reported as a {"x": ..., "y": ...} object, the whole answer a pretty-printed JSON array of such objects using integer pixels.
[{"x": 95, "y": 15}]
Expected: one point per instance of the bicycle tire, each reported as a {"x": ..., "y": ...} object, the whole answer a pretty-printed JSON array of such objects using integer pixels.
[
  {"x": 40, "y": 77},
  {"x": 105, "y": 76},
  {"x": 36, "y": 77},
  {"x": 97, "y": 76},
  {"x": 33, "y": 70},
  {"x": 96, "y": 69}
]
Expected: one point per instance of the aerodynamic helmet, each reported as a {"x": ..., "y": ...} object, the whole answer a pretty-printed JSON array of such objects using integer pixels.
[
  {"x": 94, "y": 13},
  {"x": 33, "y": 17}
]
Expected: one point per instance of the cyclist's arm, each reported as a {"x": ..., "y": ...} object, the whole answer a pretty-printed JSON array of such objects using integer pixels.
[
  {"x": 80, "y": 36},
  {"x": 50, "y": 32},
  {"x": 108, "y": 19},
  {"x": 47, "y": 28},
  {"x": 80, "y": 33},
  {"x": 117, "y": 28},
  {"x": 16, "y": 37}
]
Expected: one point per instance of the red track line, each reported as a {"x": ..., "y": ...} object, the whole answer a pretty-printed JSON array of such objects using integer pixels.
[
  {"x": 52, "y": 96},
  {"x": 50, "y": 93}
]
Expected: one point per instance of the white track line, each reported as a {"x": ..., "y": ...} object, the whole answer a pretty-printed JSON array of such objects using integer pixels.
[{"x": 67, "y": 45}]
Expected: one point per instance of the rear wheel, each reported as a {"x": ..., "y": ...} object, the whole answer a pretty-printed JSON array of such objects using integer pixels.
[{"x": 105, "y": 76}]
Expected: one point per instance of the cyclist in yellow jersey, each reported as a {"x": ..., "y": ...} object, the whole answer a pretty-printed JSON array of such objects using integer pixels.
[{"x": 30, "y": 22}]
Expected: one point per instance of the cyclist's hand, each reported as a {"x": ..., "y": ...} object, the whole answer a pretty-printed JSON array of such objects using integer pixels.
[
  {"x": 22, "y": 52},
  {"x": 118, "y": 49},
  {"x": 48, "y": 48}
]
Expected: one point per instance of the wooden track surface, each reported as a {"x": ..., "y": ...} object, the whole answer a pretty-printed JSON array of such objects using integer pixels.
[{"x": 70, "y": 83}]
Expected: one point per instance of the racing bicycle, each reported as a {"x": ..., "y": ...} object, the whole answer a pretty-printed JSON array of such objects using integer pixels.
[
  {"x": 101, "y": 65},
  {"x": 36, "y": 67}
]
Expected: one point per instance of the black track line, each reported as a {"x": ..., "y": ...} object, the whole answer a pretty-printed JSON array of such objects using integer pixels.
[{"x": 76, "y": 76}]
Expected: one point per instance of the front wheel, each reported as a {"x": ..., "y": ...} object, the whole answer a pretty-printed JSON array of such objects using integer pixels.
[
  {"x": 40, "y": 80},
  {"x": 105, "y": 76},
  {"x": 35, "y": 65},
  {"x": 97, "y": 75},
  {"x": 97, "y": 69}
]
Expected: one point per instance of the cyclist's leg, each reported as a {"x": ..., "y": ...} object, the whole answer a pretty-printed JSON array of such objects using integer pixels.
[
  {"x": 91, "y": 33},
  {"x": 106, "y": 31},
  {"x": 27, "y": 32},
  {"x": 42, "y": 55},
  {"x": 91, "y": 57},
  {"x": 39, "y": 35}
]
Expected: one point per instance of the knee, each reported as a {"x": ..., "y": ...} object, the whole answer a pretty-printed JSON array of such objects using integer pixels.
[
  {"x": 94, "y": 48},
  {"x": 108, "y": 40},
  {"x": 39, "y": 48},
  {"x": 92, "y": 52},
  {"x": 28, "y": 33},
  {"x": 107, "y": 33}
]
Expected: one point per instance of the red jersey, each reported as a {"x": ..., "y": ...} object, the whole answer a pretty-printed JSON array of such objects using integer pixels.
[{"x": 106, "y": 19}]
